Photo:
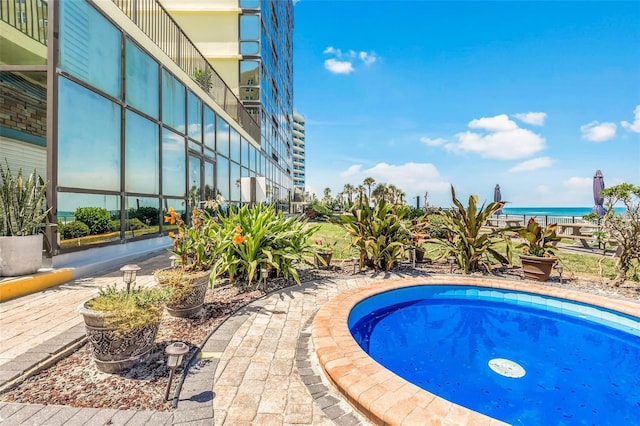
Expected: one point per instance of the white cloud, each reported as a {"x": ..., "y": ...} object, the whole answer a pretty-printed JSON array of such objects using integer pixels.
[
  {"x": 493, "y": 124},
  {"x": 413, "y": 178},
  {"x": 533, "y": 164},
  {"x": 433, "y": 142},
  {"x": 343, "y": 63},
  {"x": 368, "y": 57},
  {"x": 352, "y": 170},
  {"x": 504, "y": 140},
  {"x": 579, "y": 184},
  {"x": 635, "y": 126},
  {"x": 534, "y": 118},
  {"x": 598, "y": 132},
  {"x": 338, "y": 67}
]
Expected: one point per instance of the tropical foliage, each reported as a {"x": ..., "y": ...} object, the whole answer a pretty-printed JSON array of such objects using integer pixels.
[
  {"x": 251, "y": 239},
  {"x": 538, "y": 241},
  {"x": 467, "y": 239},
  {"x": 194, "y": 244},
  {"x": 21, "y": 203},
  {"x": 380, "y": 234}
]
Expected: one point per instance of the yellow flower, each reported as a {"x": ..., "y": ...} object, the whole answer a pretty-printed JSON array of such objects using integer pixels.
[
  {"x": 171, "y": 235},
  {"x": 238, "y": 230},
  {"x": 239, "y": 239}
]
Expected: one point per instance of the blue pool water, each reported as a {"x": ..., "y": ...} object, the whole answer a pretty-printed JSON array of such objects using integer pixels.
[{"x": 520, "y": 358}]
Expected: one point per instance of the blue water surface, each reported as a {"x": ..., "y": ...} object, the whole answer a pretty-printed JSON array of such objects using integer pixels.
[{"x": 576, "y": 371}]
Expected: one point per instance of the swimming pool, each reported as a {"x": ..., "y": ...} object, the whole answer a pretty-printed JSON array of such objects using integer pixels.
[
  {"x": 385, "y": 397},
  {"x": 521, "y": 358}
]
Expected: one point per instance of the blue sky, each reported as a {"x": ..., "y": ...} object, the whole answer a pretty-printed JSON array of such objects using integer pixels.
[{"x": 534, "y": 96}]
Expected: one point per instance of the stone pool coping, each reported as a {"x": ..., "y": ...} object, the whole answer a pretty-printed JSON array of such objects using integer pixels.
[{"x": 382, "y": 396}]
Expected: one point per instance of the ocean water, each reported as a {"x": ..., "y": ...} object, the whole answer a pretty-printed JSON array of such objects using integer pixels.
[{"x": 553, "y": 211}]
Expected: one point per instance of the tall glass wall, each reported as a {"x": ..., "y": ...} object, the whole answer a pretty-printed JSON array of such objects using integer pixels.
[{"x": 132, "y": 139}]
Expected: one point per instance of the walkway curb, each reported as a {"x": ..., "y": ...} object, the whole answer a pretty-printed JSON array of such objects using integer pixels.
[{"x": 22, "y": 286}]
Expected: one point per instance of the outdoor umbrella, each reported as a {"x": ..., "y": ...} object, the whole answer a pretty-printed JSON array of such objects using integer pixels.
[
  {"x": 497, "y": 197},
  {"x": 598, "y": 186}
]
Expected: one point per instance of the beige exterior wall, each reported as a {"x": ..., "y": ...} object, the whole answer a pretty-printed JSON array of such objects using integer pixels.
[{"x": 213, "y": 26}]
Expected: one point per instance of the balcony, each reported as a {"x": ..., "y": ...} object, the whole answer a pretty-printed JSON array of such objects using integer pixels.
[
  {"x": 27, "y": 16},
  {"x": 153, "y": 19}
]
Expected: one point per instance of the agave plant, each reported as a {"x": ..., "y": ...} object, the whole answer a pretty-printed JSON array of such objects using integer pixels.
[
  {"x": 21, "y": 203},
  {"x": 467, "y": 238}
]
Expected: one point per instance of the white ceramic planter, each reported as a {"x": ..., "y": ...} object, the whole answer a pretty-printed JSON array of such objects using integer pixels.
[{"x": 20, "y": 255}]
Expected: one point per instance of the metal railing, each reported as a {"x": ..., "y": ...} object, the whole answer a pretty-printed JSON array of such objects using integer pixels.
[
  {"x": 154, "y": 20},
  {"x": 27, "y": 16}
]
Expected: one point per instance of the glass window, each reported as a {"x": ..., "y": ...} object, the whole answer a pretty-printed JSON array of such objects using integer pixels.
[
  {"x": 209, "y": 181},
  {"x": 209, "y": 128},
  {"x": 88, "y": 139},
  {"x": 68, "y": 205},
  {"x": 173, "y": 164},
  {"x": 194, "y": 181},
  {"x": 235, "y": 182},
  {"x": 143, "y": 216},
  {"x": 173, "y": 102},
  {"x": 249, "y": 4},
  {"x": 90, "y": 47},
  {"x": 249, "y": 27},
  {"x": 222, "y": 183},
  {"x": 222, "y": 137},
  {"x": 235, "y": 145},
  {"x": 245, "y": 152},
  {"x": 250, "y": 75},
  {"x": 249, "y": 48},
  {"x": 141, "y": 155},
  {"x": 194, "y": 110},
  {"x": 141, "y": 91}
]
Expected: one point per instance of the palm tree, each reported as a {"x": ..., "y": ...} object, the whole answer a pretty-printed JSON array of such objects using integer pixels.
[
  {"x": 369, "y": 182},
  {"x": 380, "y": 193},
  {"x": 393, "y": 192},
  {"x": 360, "y": 193},
  {"x": 348, "y": 190}
]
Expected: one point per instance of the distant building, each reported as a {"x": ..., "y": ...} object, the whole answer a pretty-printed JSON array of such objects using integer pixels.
[
  {"x": 298, "y": 156},
  {"x": 138, "y": 110}
]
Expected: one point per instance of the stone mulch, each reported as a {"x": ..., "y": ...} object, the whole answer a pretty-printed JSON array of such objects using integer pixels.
[{"x": 75, "y": 381}]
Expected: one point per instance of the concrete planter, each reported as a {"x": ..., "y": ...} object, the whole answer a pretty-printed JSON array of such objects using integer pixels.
[
  {"x": 537, "y": 268},
  {"x": 114, "y": 350},
  {"x": 187, "y": 298},
  {"x": 20, "y": 255}
]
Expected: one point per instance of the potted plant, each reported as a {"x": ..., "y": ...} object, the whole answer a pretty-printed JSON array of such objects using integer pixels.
[
  {"x": 323, "y": 252},
  {"x": 22, "y": 217},
  {"x": 188, "y": 279},
  {"x": 122, "y": 325},
  {"x": 538, "y": 256}
]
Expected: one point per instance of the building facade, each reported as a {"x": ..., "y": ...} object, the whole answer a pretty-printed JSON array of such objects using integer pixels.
[
  {"x": 298, "y": 154},
  {"x": 122, "y": 113}
]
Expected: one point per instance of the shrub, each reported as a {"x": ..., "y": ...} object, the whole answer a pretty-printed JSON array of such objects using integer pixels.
[
  {"x": 465, "y": 240},
  {"x": 317, "y": 210},
  {"x": 380, "y": 233},
  {"x": 97, "y": 219},
  {"x": 147, "y": 215},
  {"x": 75, "y": 229},
  {"x": 249, "y": 239}
]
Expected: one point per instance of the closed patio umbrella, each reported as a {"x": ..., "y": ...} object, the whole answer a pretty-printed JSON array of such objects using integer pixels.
[
  {"x": 598, "y": 186},
  {"x": 497, "y": 197}
]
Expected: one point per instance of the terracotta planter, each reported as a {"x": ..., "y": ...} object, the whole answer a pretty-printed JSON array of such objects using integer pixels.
[
  {"x": 20, "y": 255},
  {"x": 323, "y": 259},
  {"x": 114, "y": 350},
  {"x": 187, "y": 299},
  {"x": 537, "y": 268}
]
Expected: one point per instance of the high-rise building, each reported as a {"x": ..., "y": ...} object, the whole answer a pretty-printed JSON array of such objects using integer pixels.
[
  {"x": 120, "y": 110},
  {"x": 298, "y": 153}
]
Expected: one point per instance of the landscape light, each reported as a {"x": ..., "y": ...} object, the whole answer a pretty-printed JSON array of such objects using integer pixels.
[
  {"x": 129, "y": 274},
  {"x": 175, "y": 352},
  {"x": 451, "y": 260}
]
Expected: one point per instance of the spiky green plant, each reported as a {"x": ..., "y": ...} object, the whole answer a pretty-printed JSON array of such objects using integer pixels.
[
  {"x": 21, "y": 203},
  {"x": 380, "y": 233},
  {"x": 468, "y": 240}
]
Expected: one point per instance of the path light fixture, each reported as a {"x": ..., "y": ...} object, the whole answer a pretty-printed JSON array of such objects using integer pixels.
[
  {"x": 560, "y": 268},
  {"x": 175, "y": 352},
  {"x": 174, "y": 260},
  {"x": 451, "y": 260},
  {"x": 264, "y": 273},
  {"x": 129, "y": 274}
]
